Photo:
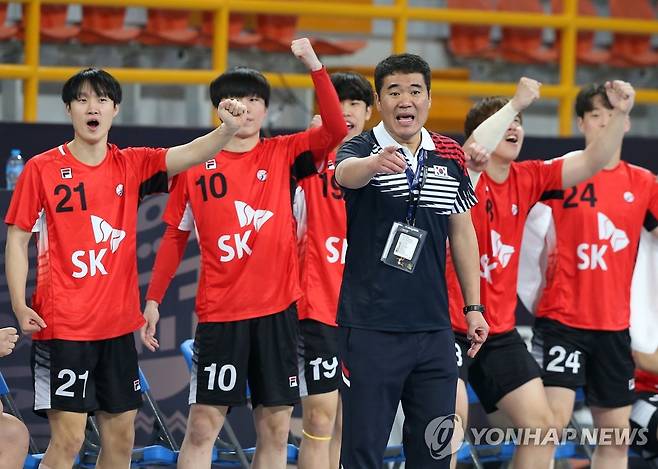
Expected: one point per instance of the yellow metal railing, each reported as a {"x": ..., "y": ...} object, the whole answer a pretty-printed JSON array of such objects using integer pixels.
[{"x": 32, "y": 72}]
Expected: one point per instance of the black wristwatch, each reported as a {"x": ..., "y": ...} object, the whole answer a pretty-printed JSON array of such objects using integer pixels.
[{"x": 469, "y": 308}]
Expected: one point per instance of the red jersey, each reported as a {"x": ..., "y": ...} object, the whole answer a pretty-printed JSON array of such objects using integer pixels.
[
  {"x": 86, "y": 220},
  {"x": 597, "y": 232},
  {"x": 499, "y": 218},
  {"x": 646, "y": 382},
  {"x": 322, "y": 226},
  {"x": 240, "y": 206}
]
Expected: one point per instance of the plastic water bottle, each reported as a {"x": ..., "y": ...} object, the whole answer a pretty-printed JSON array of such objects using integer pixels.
[{"x": 14, "y": 168}]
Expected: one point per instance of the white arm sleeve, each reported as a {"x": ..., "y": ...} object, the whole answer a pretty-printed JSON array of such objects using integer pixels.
[{"x": 490, "y": 132}]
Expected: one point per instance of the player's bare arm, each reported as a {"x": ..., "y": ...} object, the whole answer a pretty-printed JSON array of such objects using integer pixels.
[
  {"x": 585, "y": 164},
  {"x": 232, "y": 113},
  {"x": 646, "y": 361},
  {"x": 16, "y": 267},
  {"x": 464, "y": 251},
  {"x": 8, "y": 339},
  {"x": 477, "y": 157},
  {"x": 355, "y": 173},
  {"x": 303, "y": 50},
  {"x": 148, "y": 330}
]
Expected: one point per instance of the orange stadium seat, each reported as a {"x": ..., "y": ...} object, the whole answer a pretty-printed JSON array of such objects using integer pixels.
[
  {"x": 105, "y": 25},
  {"x": 167, "y": 27},
  {"x": 586, "y": 52},
  {"x": 524, "y": 45},
  {"x": 470, "y": 40},
  {"x": 6, "y": 31},
  {"x": 278, "y": 31},
  {"x": 54, "y": 27},
  {"x": 54, "y": 24},
  {"x": 632, "y": 50},
  {"x": 237, "y": 36}
]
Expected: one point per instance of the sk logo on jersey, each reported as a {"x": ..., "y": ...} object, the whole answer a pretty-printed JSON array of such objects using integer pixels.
[
  {"x": 246, "y": 215},
  {"x": 591, "y": 255},
  {"x": 103, "y": 232},
  {"x": 502, "y": 254},
  {"x": 236, "y": 244},
  {"x": 261, "y": 175}
]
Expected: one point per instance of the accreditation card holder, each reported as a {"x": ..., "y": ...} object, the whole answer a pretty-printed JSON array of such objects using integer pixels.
[{"x": 403, "y": 246}]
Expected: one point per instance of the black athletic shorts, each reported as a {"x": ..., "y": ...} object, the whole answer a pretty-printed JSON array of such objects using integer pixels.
[
  {"x": 261, "y": 351},
  {"x": 85, "y": 376},
  {"x": 317, "y": 358},
  {"x": 502, "y": 365},
  {"x": 599, "y": 361}
]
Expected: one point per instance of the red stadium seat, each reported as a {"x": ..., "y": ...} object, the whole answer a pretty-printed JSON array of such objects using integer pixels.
[
  {"x": 586, "y": 52},
  {"x": 54, "y": 24},
  {"x": 6, "y": 31},
  {"x": 632, "y": 50},
  {"x": 54, "y": 27},
  {"x": 237, "y": 37},
  {"x": 168, "y": 27},
  {"x": 278, "y": 31},
  {"x": 105, "y": 25},
  {"x": 470, "y": 40},
  {"x": 524, "y": 45}
]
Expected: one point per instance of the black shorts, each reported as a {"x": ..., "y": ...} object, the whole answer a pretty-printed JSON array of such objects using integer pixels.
[
  {"x": 317, "y": 358},
  {"x": 645, "y": 416},
  {"x": 261, "y": 351},
  {"x": 599, "y": 361},
  {"x": 464, "y": 362},
  {"x": 85, "y": 376},
  {"x": 502, "y": 365}
]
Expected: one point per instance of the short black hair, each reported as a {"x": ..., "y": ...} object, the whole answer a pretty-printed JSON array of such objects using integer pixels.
[
  {"x": 101, "y": 82},
  {"x": 585, "y": 98},
  {"x": 353, "y": 86},
  {"x": 402, "y": 63},
  {"x": 481, "y": 111},
  {"x": 239, "y": 82}
]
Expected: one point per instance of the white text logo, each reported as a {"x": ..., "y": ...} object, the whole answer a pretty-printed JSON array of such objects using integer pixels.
[
  {"x": 502, "y": 254},
  {"x": 236, "y": 245},
  {"x": 591, "y": 255},
  {"x": 91, "y": 262}
]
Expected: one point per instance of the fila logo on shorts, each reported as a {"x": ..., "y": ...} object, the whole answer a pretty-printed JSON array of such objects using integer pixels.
[
  {"x": 591, "y": 256},
  {"x": 502, "y": 254}
]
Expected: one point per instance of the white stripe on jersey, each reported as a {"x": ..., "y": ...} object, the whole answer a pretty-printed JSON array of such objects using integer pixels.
[{"x": 187, "y": 220}]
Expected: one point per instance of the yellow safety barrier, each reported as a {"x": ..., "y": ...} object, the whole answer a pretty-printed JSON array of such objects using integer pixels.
[{"x": 31, "y": 72}]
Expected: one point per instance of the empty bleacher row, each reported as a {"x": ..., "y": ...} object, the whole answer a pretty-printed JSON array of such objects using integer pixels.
[
  {"x": 273, "y": 33},
  {"x": 527, "y": 45},
  {"x": 107, "y": 25}
]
